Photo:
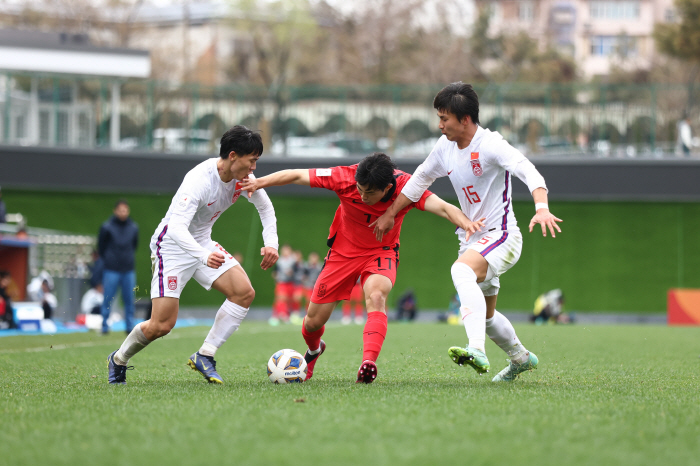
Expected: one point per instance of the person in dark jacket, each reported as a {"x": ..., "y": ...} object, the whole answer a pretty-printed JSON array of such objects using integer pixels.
[{"x": 116, "y": 245}]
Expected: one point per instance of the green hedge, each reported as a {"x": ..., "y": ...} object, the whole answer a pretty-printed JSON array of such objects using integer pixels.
[{"x": 613, "y": 256}]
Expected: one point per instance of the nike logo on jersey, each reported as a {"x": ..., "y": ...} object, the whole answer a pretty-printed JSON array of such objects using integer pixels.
[
  {"x": 450, "y": 172},
  {"x": 211, "y": 203}
]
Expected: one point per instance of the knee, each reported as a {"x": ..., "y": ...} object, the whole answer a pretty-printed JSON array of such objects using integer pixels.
[
  {"x": 244, "y": 298},
  {"x": 462, "y": 272},
  {"x": 376, "y": 300},
  {"x": 312, "y": 324},
  {"x": 157, "y": 330}
]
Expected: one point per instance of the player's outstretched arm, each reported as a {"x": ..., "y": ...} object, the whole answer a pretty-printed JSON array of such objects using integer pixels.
[
  {"x": 437, "y": 206},
  {"x": 270, "y": 256},
  {"x": 543, "y": 216},
  {"x": 280, "y": 178},
  {"x": 386, "y": 222}
]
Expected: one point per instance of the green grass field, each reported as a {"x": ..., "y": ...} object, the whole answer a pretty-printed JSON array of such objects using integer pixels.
[{"x": 603, "y": 395}]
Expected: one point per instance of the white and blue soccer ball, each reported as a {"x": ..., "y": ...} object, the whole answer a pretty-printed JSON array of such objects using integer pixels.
[{"x": 286, "y": 366}]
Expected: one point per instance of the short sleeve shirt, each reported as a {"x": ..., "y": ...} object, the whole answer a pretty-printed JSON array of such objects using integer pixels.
[{"x": 350, "y": 233}]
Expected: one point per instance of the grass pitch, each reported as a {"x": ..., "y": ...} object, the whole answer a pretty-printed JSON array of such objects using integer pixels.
[{"x": 602, "y": 395}]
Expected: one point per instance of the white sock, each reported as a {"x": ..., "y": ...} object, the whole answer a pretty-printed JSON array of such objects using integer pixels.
[
  {"x": 228, "y": 319},
  {"x": 316, "y": 351},
  {"x": 501, "y": 332},
  {"x": 473, "y": 304},
  {"x": 135, "y": 342}
]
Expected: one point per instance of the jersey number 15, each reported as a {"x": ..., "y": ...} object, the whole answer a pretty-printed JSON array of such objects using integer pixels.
[{"x": 472, "y": 195}]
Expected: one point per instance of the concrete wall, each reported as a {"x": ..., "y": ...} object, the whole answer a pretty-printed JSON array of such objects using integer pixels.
[{"x": 590, "y": 179}]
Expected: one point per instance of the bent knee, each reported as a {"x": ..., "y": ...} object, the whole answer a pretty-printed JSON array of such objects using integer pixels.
[
  {"x": 159, "y": 329},
  {"x": 461, "y": 272},
  {"x": 243, "y": 298}
]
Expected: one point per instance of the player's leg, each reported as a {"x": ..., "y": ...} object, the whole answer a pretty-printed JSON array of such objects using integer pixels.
[
  {"x": 128, "y": 284},
  {"x": 235, "y": 285},
  {"x": 376, "y": 290},
  {"x": 162, "y": 321},
  {"x": 501, "y": 331},
  {"x": 110, "y": 283},
  {"x": 470, "y": 269},
  {"x": 312, "y": 329}
]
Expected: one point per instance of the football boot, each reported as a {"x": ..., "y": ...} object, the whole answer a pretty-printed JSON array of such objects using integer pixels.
[
  {"x": 472, "y": 356},
  {"x": 206, "y": 366},
  {"x": 311, "y": 360},
  {"x": 512, "y": 371}
]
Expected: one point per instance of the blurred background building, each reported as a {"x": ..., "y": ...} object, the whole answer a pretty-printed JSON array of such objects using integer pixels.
[{"x": 327, "y": 79}]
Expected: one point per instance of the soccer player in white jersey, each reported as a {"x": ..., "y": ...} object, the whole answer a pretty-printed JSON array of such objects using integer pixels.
[
  {"x": 182, "y": 248},
  {"x": 479, "y": 164}
]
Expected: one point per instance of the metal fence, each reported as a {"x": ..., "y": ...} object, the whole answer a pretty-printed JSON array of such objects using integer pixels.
[{"x": 599, "y": 120}]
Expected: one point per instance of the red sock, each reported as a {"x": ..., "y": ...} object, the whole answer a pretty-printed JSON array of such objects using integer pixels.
[
  {"x": 359, "y": 309},
  {"x": 374, "y": 334},
  {"x": 312, "y": 339},
  {"x": 346, "y": 309}
]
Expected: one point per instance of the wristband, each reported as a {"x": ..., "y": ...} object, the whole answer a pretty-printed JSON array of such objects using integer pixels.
[{"x": 541, "y": 205}]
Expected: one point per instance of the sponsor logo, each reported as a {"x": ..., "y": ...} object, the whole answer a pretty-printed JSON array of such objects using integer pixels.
[
  {"x": 322, "y": 290},
  {"x": 450, "y": 172},
  {"x": 323, "y": 172},
  {"x": 210, "y": 203},
  {"x": 172, "y": 283},
  {"x": 289, "y": 373}
]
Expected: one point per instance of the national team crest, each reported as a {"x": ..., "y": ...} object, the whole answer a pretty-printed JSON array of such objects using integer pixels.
[
  {"x": 322, "y": 290},
  {"x": 476, "y": 166},
  {"x": 172, "y": 283}
]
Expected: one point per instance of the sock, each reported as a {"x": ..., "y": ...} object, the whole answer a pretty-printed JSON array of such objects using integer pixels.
[
  {"x": 346, "y": 308},
  {"x": 374, "y": 335},
  {"x": 473, "y": 304},
  {"x": 135, "y": 342},
  {"x": 228, "y": 319},
  {"x": 359, "y": 310},
  {"x": 312, "y": 339},
  {"x": 501, "y": 332}
]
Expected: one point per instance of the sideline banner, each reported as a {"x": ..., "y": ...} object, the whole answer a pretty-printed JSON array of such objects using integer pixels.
[{"x": 683, "y": 307}]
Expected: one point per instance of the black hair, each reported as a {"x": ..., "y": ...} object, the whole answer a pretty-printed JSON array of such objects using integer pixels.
[
  {"x": 376, "y": 171},
  {"x": 459, "y": 99},
  {"x": 242, "y": 141},
  {"x": 120, "y": 202}
]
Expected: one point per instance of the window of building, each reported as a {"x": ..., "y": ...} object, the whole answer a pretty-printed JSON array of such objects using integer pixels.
[
  {"x": 624, "y": 9},
  {"x": 605, "y": 46},
  {"x": 526, "y": 11}
]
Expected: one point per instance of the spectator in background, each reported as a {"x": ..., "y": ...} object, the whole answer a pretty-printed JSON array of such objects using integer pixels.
[
  {"x": 6, "y": 315},
  {"x": 685, "y": 137},
  {"x": 356, "y": 301},
  {"x": 3, "y": 209},
  {"x": 97, "y": 270},
  {"x": 40, "y": 289},
  {"x": 283, "y": 274},
  {"x": 116, "y": 245},
  {"x": 406, "y": 306}
]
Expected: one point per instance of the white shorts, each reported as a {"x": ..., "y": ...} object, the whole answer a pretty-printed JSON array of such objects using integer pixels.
[
  {"x": 172, "y": 268},
  {"x": 500, "y": 248}
]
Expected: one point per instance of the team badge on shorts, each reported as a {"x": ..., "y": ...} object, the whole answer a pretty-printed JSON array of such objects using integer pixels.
[
  {"x": 172, "y": 283},
  {"x": 322, "y": 290},
  {"x": 476, "y": 166}
]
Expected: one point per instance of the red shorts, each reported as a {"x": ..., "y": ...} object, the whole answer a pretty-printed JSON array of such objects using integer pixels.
[
  {"x": 284, "y": 290},
  {"x": 339, "y": 274}
]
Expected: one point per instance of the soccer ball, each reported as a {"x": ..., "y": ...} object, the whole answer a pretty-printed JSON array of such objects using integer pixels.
[{"x": 286, "y": 366}]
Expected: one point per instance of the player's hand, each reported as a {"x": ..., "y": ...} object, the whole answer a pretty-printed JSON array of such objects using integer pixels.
[
  {"x": 249, "y": 184},
  {"x": 545, "y": 218},
  {"x": 382, "y": 225},
  {"x": 270, "y": 256},
  {"x": 215, "y": 260},
  {"x": 472, "y": 227}
]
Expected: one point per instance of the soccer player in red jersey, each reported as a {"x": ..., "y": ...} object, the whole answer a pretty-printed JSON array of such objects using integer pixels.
[{"x": 365, "y": 191}]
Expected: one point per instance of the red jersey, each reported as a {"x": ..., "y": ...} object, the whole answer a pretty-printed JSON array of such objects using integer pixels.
[{"x": 350, "y": 234}]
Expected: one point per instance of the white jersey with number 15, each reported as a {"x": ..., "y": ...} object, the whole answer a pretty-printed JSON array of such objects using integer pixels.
[{"x": 481, "y": 176}]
